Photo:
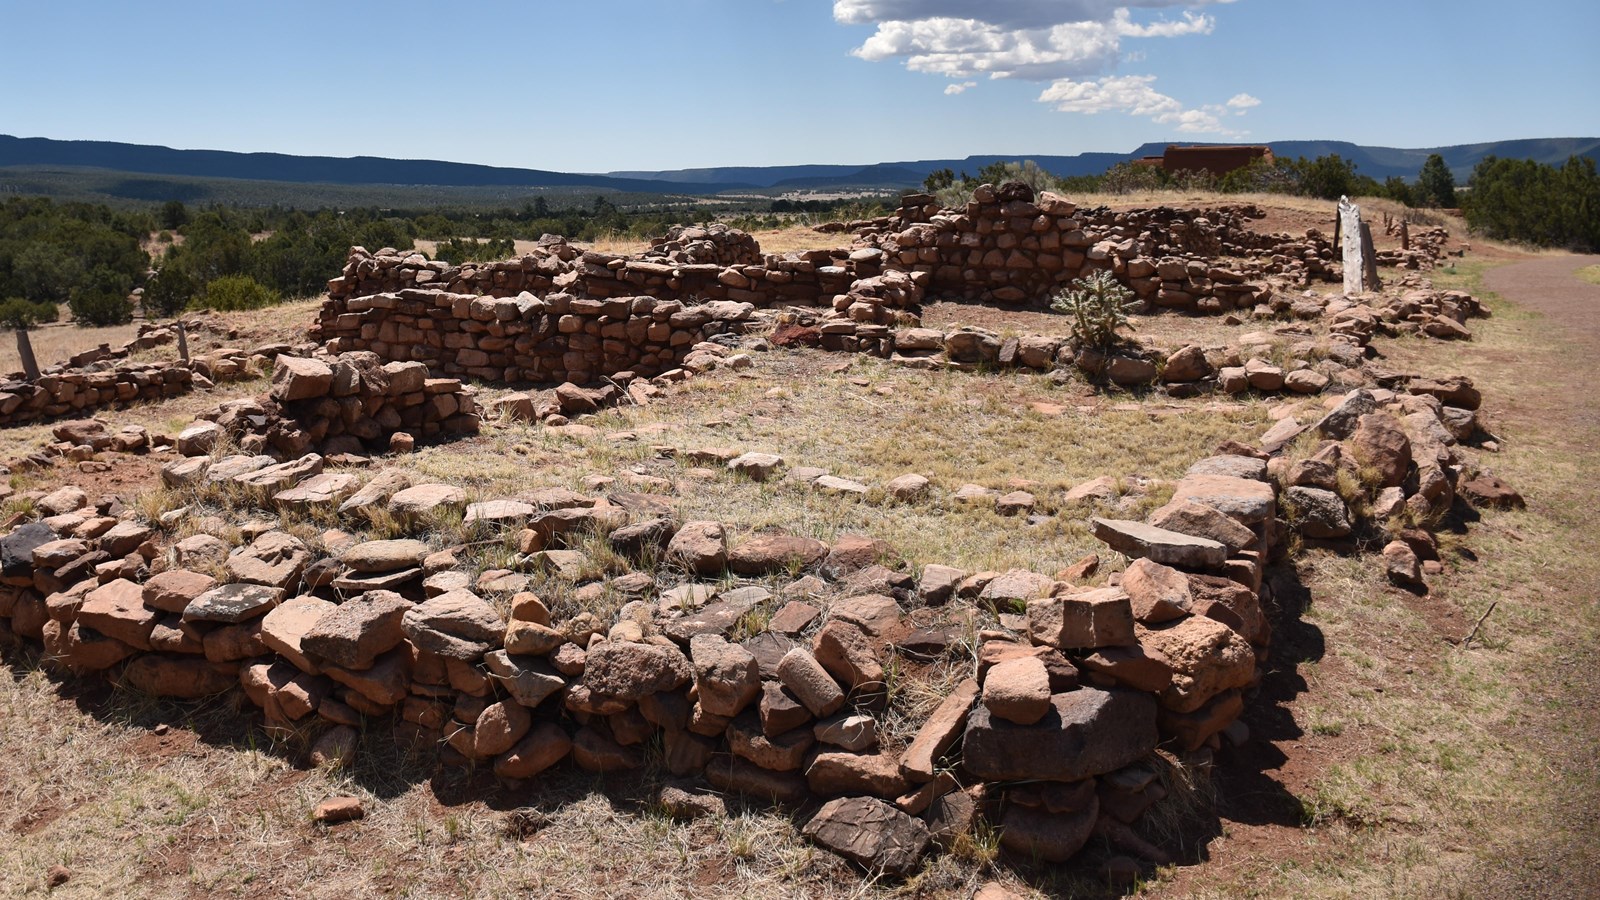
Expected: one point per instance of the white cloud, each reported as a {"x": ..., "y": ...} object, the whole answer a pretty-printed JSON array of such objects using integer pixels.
[
  {"x": 951, "y": 90},
  {"x": 1009, "y": 14},
  {"x": 963, "y": 47},
  {"x": 1134, "y": 95},
  {"x": 1074, "y": 44}
]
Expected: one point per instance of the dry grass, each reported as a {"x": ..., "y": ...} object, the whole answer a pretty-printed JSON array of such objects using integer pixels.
[
  {"x": 57, "y": 342},
  {"x": 214, "y": 808},
  {"x": 60, "y": 341},
  {"x": 950, "y": 427},
  {"x": 798, "y": 237},
  {"x": 1590, "y": 274}
]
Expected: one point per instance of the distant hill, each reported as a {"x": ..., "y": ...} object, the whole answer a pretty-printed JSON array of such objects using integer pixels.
[
  {"x": 141, "y": 158},
  {"x": 136, "y": 172}
]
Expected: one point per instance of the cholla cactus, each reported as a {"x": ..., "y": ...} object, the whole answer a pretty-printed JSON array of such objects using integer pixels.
[{"x": 1098, "y": 306}]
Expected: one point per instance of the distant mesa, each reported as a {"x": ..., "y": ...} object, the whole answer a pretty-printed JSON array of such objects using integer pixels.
[{"x": 144, "y": 160}]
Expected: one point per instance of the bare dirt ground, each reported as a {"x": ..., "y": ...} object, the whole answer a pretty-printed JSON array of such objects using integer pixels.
[{"x": 1564, "y": 861}]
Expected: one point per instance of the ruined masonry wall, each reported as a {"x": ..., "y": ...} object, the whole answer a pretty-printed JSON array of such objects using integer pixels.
[
  {"x": 554, "y": 338},
  {"x": 80, "y": 393}
]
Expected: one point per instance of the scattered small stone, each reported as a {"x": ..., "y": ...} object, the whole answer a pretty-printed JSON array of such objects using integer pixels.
[{"x": 338, "y": 809}]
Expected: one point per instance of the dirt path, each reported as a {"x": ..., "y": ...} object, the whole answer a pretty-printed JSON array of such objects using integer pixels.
[
  {"x": 1562, "y": 857},
  {"x": 1549, "y": 285}
]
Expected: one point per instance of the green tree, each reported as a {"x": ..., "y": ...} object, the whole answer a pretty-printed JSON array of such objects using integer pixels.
[
  {"x": 169, "y": 291},
  {"x": 460, "y": 250},
  {"x": 1527, "y": 201},
  {"x": 174, "y": 215},
  {"x": 1327, "y": 177},
  {"x": 939, "y": 180},
  {"x": 98, "y": 307},
  {"x": 1436, "y": 187},
  {"x": 1398, "y": 190}
]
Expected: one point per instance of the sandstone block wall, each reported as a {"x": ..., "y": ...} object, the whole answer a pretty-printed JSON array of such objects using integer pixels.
[
  {"x": 555, "y": 338},
  {"x": 1005, "y": 247},
  {"x": 351, "y": 403},
  {"x": 1060, "y": 716},
  {"x": 73, "y": 393}
]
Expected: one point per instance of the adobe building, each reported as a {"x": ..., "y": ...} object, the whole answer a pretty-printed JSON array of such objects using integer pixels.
[{"x": 1219, "y": 161}]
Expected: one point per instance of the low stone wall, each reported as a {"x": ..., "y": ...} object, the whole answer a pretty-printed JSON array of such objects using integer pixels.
[
  {"x": 525, "y": 338},
  {"x": 79, "y": 392},
  {"x": 351, "y": 403},
  {"x": 1006, "y": 247},
  {"x": 1050, "y": 740}
]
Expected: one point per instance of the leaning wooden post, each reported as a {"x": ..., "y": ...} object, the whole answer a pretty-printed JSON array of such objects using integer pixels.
[
  {"x": 183, "y": 341},
  {"x": 30, "y": 365},
  {"x": 1369, "y": 261}
]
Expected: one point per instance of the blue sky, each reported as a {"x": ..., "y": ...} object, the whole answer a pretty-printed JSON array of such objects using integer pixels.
[{"x": 629, "y": 84}]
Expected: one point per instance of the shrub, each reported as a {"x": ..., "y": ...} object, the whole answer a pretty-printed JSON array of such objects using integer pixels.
[
  {"x": 460, "y": 250},
  {"x": 1128, "y": 178},
  {"x": 1026, "y": 171},
  {"x": 1262, "y": 177},
  {"x": 1098, "y": 306},
  {"x": 235, "y": 292},
  {"x": 15, "y": 312},
  {"x": 98, "y": 308}
]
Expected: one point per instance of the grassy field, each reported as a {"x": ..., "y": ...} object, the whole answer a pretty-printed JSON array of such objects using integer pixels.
[{"x": 1387, "y": 759}]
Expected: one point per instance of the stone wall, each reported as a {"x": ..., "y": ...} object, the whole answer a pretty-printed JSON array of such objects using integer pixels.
[
  {"x": 525, "y": 338},
  {"x": 82, "y": 391},
  {"x": 1075, "y": 681},
  {"x": 1050, "y": 739},
  {"x": 351, "y": 403},
  {"x": 1006, "y": 247}
]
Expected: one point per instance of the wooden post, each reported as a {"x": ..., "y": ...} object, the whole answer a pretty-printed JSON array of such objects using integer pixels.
[
  {"x": 1405, "y": 236},
  {"x": 30, "y": 366},
  {"x": 183, "y": 341},
  {"x": 1369, "y": 261}
]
